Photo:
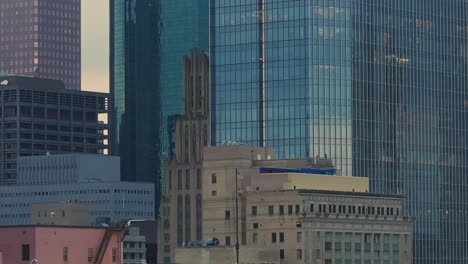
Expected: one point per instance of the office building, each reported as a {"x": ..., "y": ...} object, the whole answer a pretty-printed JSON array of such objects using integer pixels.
[
  {"x": 62, "y": 214},
  {"x": 305, "y": 214},
  {"x": 134, "y": 249},
  {"x": 184, "y": 26},
  {"x": 149, "y": 40},
  {"x": 184, "y": 166},
  {"x": 42, "y": 38},
  {"x": 108, "y": 198},
  {"x": 134, "y": 88},
  {"x": 215, "y": 255},
  {"x": 40, "y": 116},
  {"x": 377, "y": 86},
  {"x": 60, "y": 244}
]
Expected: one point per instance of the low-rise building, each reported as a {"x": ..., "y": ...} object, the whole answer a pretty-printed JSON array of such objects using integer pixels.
[
  {"x": 134, "y": 247},
  {"x": 306, "y": 214},
  {"x": 62, "y": 214},
  {"x": 84, "y": 181},
  {"x": 60, "y": 244},
  {"x": 227, "y": 254}
]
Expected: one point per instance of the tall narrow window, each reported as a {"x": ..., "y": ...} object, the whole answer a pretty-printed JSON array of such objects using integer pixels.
[
  {"x": 188, "y": 219},
  {"x": 187, "y": 179},
  {"x": 199, "y": 179},
  {"x": 65, "y": 254},
  {"x": 90, "y": 254},
  {"x": 25, "y": 254},
  {"x": 213, "y": 178},
  {"x": 114, "y": 255},
  {"x": 179, "y": 180}
]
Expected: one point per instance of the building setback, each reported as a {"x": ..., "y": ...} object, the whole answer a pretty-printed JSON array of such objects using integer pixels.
[
  {"x": 379, "y": 87},
  {"x": 184, "y": 166},
  {"x": 42, "y": 38},
  {"x": 40, "y": 116}
]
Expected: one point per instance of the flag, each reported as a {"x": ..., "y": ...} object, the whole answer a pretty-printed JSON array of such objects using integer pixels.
[
  {"x": 239, "y": 176},
  {"x": 240, "y": 192}
]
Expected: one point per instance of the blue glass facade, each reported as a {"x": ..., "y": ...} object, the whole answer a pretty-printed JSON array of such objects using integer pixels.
[
  {"x": 377, "y": 85},
  {"x": 184, "y": 25},
  {"x": 134, "y": 87}
]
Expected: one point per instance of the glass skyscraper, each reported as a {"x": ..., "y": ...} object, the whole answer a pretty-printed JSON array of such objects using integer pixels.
[
  {"x": 134, "y": 87},
  {"x": 380, "y": 86},
  {"x": 184, "y": 25},
  {"x": 149, "y": 39}
]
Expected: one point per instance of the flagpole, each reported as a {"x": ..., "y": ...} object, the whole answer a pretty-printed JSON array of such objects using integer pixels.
[{"x": 237, "y": 221}]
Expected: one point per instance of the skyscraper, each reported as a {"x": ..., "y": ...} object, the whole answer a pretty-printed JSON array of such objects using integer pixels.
[
  {"x": 184, "y": 25},
  {"x": 149, "y": 39},
  {"x": 42, "y": 38},
  {"x": 134, "y": 87},
  {"x": 379, "y": 86}
]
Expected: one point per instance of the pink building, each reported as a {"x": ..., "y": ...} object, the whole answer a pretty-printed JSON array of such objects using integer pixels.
[{"x": 60, "y": 244}]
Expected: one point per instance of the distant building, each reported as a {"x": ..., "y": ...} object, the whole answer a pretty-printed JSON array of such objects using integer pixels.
[
  {"x": 61, "y": 214},
  {"x": 184, "y": 166},
  {"x": 80, "y": 178},
  {"x": 134, "y": 247},
  {"x": 218, "y": 255},
  {"x": 67, "y": 168},
  {"x": 150, "y": 229},
  {"x": 40, "y": 116},
  {"x": 60, "y": 244},
  {"x": 307, "y": 214},
  {"x": 42, "y": 38}
]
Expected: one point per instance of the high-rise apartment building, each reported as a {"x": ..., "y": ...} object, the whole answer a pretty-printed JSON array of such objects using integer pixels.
[
  {"x": 40, "y": 116},
  {"x": 134, "y": 87},
  {"x": 380, "y": 87},
  {"x": 42, "y": 38},
  {"x": 149, "y": 39}
]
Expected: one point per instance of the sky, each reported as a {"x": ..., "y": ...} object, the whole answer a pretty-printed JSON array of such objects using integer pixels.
[{"x": 95, "y": 45}]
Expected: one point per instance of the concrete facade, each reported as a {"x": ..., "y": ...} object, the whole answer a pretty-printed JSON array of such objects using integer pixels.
[
  {"x": 67, "y": 168},
  {"x": 298, "y": 214},
  {"x": 112, "y": 200},
  {"x": 218, "y": 255},
  {"x": 40, "y": 116},
  {"x": 182, "y": 202},
  {"x": 55, "y": 244},
  {"x": 134, "y": 247},
  {"x": 62, "y": 214}
]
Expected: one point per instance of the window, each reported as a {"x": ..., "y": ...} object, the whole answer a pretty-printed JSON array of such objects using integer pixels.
[
  {"x": 281, "y": 209},
  {"x": 199, "y": 179},
  {"x": 179, "y": 180},
  {"x": 255, "y": 225},
  {"x": 114, "y": 255},
  {"x": 25, "y": 252},
  {"x": 298, "y": 209},
  {"x": 299, "y": 237},
  {"x": 273, "y": 237},
  {"x": 90, "y": 254},
  {"x": 299, "y": 254},
  {"x": 187, "y": 179},
  {"x": 227, "y": 215},
  {"x": 281, "y": 237},
  {"x": 228, "y": 241},
  {"x": 311, "y": 208},
  {"x": 213, "y": 178},
  {"x": 290, "y": 210},
  {"x": 281, "y": 253},
  {"x": 65, "y": 254},
  {"x": 213, "y": 193},
  {"x": 254, "y": 237},
  {"x": 254, "y": 210},
  {"x": 271, "y": 210}
]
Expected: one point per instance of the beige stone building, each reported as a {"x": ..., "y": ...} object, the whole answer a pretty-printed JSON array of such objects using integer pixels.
[
  {"x": 306, "y": 218},
  {"x": 181, "y": 205},
  {"x": 226, "y": 255},
  {"x": 63, "y": 214}
]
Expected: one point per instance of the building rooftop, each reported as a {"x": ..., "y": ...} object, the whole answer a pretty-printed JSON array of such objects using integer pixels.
[{"x": 314, "y": 191}]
